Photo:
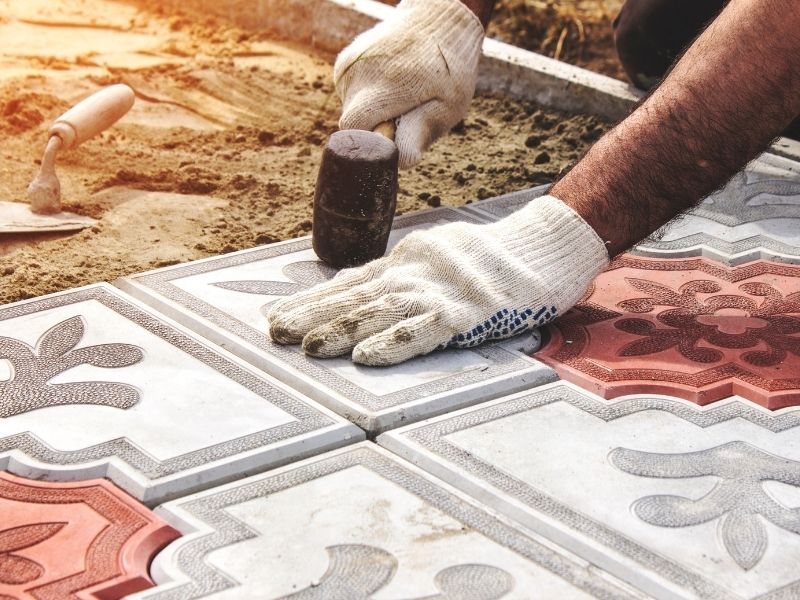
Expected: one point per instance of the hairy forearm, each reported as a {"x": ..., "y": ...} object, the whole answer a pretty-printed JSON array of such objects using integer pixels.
[
  {"x": 482, "y": 8},
  {"x": 733, "y": 91}
]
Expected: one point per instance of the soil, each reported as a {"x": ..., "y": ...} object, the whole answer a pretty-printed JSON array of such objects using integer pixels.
[{"x": 221, "y": 150}]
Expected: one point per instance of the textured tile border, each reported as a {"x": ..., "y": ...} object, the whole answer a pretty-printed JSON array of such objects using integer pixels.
[
  {"x": 372, "y": 412},
  {"x": 425, "y": 445},
  {"x": 185, "y": 574},
  {"x": 139, "y": 473},
  {"x": 494, "y": 209}
]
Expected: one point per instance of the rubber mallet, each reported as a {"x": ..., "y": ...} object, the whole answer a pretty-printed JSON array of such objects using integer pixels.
[{"x": 356, "y": 196}]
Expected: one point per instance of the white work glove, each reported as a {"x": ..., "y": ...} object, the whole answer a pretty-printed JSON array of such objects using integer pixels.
[
  {"x": 456, "y": 285},
  {"x": 419, "y": 65}
]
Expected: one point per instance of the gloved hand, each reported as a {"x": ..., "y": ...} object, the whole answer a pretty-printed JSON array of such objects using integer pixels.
[
  {"x": 456, "y": 285},
  {"x": 419, "y": 65}
]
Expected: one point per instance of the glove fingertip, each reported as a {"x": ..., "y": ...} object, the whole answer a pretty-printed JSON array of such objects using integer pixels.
[
  {"x": 281, "y": 333},
  {"x": 372, "y": 355}
]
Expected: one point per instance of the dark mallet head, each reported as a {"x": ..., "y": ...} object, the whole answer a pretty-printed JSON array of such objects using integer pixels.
[{"x": 355, "y": 198}]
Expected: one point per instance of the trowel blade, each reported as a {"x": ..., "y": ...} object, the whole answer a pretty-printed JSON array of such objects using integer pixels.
[{"x": 16, "y": 217}]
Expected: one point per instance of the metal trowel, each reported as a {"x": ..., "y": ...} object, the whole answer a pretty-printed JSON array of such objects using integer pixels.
[{"x": 83, "y": 121}]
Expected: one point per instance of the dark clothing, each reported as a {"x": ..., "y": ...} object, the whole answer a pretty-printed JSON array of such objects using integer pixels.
[{"x": 651, "y": 34}]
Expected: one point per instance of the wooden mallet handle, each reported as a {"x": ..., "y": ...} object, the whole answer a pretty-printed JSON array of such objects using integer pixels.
[{"x": 387, "y": 129}]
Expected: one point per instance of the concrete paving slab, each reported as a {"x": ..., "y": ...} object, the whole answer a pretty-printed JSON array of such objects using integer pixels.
[
  {"x": 690, "y": 328},
  {"x": 225, "y": 299},
  {"x": 494, "y": 209},
  {"x": 93, "y": 384},
  {"x": 373, "y": 526},
  {"x": 756, "y": 216},
  {"x": 678, "y": 500},
  {"x": 85, "y": 540}
]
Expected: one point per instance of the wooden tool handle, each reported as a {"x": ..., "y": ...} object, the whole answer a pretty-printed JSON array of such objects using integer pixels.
[
  {"x": 93, "y": 114},
  {"x": 386, "y": 129}
]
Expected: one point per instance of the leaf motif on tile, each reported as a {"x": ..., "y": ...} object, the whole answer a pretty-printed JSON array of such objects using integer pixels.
[
  {"x": 303, "y": 274},
  {"x": 693, "y": 320},
  {"x": 738, "y": 498},
  {"x": 260, "y": 288},
  {"x": 309, "y": 272},
  {"x": 17, "y": 570},
  {"x": 357, "y": 571},
  {"x": 56, "y": 352}
]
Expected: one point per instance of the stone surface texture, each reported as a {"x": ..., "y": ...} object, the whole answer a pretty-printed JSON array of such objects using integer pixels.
[
  {"x": 225, "y": 299},
  {"x": 690, "y": 328},
  {"x": 85, "y": 540},
  {"x": 372, "y": 526},
  {"x": 755, "y": 216},
  {"x": 494, "y": 209},
  {"x": 679, "y": 500},
  {"x": 94, "y": 384}
]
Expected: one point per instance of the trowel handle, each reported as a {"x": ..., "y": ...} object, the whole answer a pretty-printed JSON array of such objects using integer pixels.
[
  {"x": 93, "y": 114},
  {"x": 387, "y": 129}
]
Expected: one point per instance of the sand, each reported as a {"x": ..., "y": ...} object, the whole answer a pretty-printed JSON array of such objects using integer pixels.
[{"x": 221, "y": 150}]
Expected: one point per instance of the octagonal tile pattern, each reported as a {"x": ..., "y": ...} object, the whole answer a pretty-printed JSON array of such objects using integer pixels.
[
  {"x": 689, "y": 328},
  {"x": 74, "y": 540}
]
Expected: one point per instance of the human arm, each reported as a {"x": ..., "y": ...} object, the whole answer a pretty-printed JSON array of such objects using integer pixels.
[
  {"x": 724, "y": 101},
  {"x": 731, "y": 93},
  {"x": 417, "y": 67}
]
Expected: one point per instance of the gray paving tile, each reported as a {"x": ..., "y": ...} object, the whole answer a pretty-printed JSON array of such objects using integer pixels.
[
  {"x": 373, "y": 526},
  {"x": 679, "y": 500},
  {"x": 94, "y": 384},
  {"x": 225, "y": 300},
  {"x": 756, "y": 216},
  {"x": 493, "y": 209}
]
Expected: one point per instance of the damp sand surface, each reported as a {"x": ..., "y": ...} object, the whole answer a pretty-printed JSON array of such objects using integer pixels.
[{"x": 221, "y": 150}]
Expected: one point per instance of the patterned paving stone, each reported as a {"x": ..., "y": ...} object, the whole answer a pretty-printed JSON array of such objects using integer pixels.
[
  {"x": 493, "y": 209},
  {"x": 756, "y": 216},
  {"x": 94, "y": 384},
  {"x": 226, "y": 298},
  {"x": 373, "y": 526},
  {"x": 84, "y": 540},
  {"x": 689, "y": 328},
  {"x": 681, "y": 501}
]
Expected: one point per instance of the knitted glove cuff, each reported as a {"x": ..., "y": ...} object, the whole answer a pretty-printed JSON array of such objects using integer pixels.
[{"x": 575, "y": 253}]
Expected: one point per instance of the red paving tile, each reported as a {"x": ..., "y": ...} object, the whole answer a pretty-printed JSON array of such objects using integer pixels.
[
  {"x": 689, "y": 328},
  {"x": 74, "y": 540}
]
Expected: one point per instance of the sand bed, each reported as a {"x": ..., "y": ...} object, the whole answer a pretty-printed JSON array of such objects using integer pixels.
[{"x": 221, "y": 150}]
